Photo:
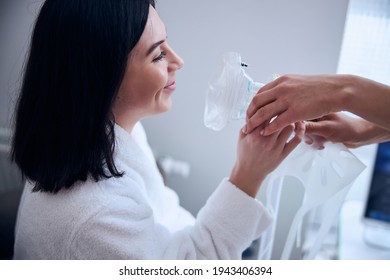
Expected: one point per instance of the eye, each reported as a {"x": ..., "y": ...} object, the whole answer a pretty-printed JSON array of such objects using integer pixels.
[{"x": 160, "y": 57}]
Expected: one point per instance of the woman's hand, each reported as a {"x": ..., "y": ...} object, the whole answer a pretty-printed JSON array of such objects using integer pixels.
[{"x": 258, "y": 155}]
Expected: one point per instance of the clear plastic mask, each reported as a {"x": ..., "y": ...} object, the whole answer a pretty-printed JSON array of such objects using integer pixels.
[
  {"x": 326, "y": 175},
  {"x": 228, "y": 97}
]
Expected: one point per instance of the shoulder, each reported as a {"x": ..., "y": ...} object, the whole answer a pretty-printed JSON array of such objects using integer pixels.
[{"x": 119, "y": 229}]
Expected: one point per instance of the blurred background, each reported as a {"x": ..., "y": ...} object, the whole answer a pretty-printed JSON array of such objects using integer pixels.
[{"x": 272, "y": 36}]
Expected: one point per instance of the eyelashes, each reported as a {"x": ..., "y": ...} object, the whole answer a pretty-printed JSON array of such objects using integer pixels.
[{"x": 160, "y": 57}]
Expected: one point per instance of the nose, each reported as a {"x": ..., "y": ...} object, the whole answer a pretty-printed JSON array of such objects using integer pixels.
[{"x": 175, "y": 62}]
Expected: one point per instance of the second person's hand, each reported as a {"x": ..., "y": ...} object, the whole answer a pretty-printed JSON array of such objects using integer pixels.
[{"x": 292, "y": 98}]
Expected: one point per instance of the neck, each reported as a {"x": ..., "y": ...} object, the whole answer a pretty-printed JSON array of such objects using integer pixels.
[{"x": 126, "y": 122}]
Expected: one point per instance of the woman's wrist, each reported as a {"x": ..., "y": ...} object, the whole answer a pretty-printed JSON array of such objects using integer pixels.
[{"x": 245, "y": 181}]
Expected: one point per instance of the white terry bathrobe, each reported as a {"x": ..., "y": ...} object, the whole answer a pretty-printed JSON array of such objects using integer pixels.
[{"x": 135, "y": 216}]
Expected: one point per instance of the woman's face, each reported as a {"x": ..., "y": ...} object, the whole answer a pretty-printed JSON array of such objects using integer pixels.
[{"x": 149, "y": 80}]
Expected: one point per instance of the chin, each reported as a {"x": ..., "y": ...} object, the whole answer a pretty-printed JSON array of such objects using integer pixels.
[
  {"x": 163, "y": 109},
  {"x": 167, "y": 107},
  {"x": 163, "y": 102}
]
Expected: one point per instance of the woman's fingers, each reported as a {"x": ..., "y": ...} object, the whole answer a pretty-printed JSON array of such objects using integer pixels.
[{"x": 294, "y": 142}]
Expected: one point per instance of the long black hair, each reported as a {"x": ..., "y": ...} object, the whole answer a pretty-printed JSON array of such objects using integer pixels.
[{"x": 64, "y": 126}]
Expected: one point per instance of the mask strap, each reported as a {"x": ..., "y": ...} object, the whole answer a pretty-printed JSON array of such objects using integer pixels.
[{"x": 273, "y": 186}]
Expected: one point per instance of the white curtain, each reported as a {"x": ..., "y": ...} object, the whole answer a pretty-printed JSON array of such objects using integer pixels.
[{"x": 366, "y": 44}]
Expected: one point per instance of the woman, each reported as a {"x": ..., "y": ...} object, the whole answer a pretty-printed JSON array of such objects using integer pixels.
[{"x": 95, "y": 69}]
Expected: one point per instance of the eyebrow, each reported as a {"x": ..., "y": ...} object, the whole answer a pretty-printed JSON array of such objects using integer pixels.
[{"x": 154, "y": 46}]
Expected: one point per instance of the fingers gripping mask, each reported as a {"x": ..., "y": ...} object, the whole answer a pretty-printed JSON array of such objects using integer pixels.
[{"x": 326, "y": 175}]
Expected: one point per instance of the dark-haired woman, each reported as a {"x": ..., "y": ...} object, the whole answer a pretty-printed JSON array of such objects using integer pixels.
[{"x": 95, "y": 69}]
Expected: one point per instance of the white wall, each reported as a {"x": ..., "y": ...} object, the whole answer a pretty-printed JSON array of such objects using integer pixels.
[{"x": 273, "y": 36}]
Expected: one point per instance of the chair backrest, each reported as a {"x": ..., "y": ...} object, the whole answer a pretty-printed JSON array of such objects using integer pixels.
[
  {"x": 11, "y": 186},
  {"x": 9, "y": 202}
]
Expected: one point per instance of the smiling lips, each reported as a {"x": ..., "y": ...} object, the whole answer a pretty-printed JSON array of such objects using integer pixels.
[{"x": 171, "y": 86}]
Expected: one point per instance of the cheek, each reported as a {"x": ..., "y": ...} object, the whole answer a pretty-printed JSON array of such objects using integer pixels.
[
  {"x": 152, "y": 84},
  {"x": 142, "y": 88},
  {"x": 158, "y": 79}
]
